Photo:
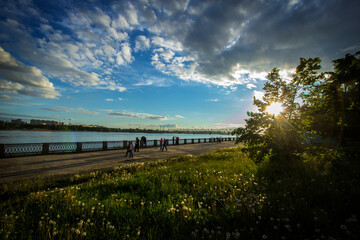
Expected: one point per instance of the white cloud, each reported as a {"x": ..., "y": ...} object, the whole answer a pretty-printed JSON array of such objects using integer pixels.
[
  {"x": 167, "y": 55},
  {"x": 12, "y": 115},
  {"x": 216, "y": 43},
  {"x": 120, "y": 22},
  {"x": 229, "y": 125},
  {"x": 258, "y": 94},
  {"x": 131, "y": 14},
  {"x": 141, "y": 43},
  {"x": 120, "y": 99},
  {"x": 179, "y": 116},
  {"x": 166, "y": 43},
  {"x": 5, "y": 97},
  {"x": 138, "y": 115},
  {"x": 100, "y": 18},
  {"x": 124, "y": 55},
  {"x": 154, "y": 81},
  {"x": 250, "y": 86},
  {"x": 19, "y": 78},
  {"x": 70, "y": 110},
  {"x": 85, "y": 111},
  {"x": 213, "y": 100},
  {"x": 118, "y": 36},
  {"x": 109, "y": 51},
  {"x": 109, "y": 99}
]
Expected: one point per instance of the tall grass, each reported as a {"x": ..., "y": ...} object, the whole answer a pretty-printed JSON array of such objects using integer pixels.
[{"x": 219, "y": 195}]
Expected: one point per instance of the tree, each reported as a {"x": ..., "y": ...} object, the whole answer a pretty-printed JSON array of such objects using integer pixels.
[
  {"x": 326, "y": 105},
  {"x": 280, "y": 136}
]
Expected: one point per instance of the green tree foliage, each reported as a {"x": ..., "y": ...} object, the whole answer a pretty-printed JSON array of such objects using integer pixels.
[{"x": 325, "y": 105}]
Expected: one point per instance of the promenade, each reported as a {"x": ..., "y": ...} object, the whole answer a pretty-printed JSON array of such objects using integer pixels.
[{"x": 60, "y": 165}]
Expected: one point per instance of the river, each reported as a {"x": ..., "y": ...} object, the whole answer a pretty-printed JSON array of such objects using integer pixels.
[{"x": 7, "y": 137}]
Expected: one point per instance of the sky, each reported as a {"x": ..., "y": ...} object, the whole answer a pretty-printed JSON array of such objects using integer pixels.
[{"x": 152, "y": 63}]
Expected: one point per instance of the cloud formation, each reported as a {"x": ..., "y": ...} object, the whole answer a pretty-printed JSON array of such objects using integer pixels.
[
  {"x": 141, "y": 43},
  {"x": 18, "y": 78},
  {"x": 25, "y": 116},
  {"x": 137, "y": 115},
  {"x": 70, "y": 110},
  {"x": 225, "y": 43}
]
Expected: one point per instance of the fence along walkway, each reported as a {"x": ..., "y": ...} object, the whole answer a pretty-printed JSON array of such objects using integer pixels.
[{"x": 23, "y": 149}]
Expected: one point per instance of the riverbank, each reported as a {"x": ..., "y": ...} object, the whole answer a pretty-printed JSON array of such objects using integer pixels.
[
  {"x": 44, "y": 136},
  {"x": 83, "y": 128},
  {"x": 60, "y": 165},
  {"x": 217, "y": 195}
]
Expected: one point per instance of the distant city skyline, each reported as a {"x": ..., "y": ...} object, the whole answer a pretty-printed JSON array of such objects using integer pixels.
[
  {"x": 189, "y": 64},
  {"x": 166, "y": 127}
]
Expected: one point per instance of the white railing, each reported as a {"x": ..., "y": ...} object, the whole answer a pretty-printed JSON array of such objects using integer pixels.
[{"x": 22, "y": 149}]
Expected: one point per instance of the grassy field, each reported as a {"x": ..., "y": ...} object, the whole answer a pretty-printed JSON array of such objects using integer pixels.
[{"x": 219, "y": 195}]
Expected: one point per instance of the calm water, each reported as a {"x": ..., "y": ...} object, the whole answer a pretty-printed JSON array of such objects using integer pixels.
[{"x": 54, "y": 136}]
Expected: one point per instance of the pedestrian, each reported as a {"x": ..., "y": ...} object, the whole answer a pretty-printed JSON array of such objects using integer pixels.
[
  {"x": 131, "y": 149},
  {"x": 143, "y": 139},
  {"x": 161, "y": 144},
  {"x": 127, "y": 149},
  {"x": 137, "y": 144},
  {"x": 173, "y": 140},
  {"x": 164, "y": 145}
]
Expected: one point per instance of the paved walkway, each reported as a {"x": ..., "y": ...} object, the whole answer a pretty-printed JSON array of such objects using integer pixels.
[{"x": 57, "y": 165}]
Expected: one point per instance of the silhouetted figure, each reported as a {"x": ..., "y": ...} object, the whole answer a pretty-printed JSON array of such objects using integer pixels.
[
  {"x": 143, "y": 140},
  {"x": 161, "y": 144},
  {"x": 131, "y": 150},
  {"x": 137, "y": 144},
  {"x": 127, "y": 149},
  {"x": 164, "y": 145}
]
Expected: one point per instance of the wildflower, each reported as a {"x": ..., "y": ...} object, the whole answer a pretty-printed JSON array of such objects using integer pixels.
[
  {"x": 77, "y": 231},
  {"x": 264, "y": 236},
  {"x": 83, "y": 234}
]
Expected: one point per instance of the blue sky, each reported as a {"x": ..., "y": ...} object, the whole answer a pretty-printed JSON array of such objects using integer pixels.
[{"x": 148, "y": 63}]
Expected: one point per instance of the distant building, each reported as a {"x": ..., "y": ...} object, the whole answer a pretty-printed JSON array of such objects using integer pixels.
[
  {"x": 45, "y": 122},
  {"x": 17, "y": 121}
]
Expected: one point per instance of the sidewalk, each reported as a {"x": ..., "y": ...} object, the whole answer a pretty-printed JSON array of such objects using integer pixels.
[{"x": 57, "y": 165}]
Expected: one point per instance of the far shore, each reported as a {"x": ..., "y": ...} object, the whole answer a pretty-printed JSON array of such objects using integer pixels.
[{"x": 120, "y": 131}]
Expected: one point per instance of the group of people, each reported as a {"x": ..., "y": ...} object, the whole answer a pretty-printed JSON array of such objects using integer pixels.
[
  {"x": 163, "y": 144},
  {"x": 131, "y": 149}
]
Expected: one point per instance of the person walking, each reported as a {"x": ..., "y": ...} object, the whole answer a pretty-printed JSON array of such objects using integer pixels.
[
  {"x": 131, "y": 150},
  {"x": 161, "y": 144},
  {"x": 164, "y": 145},
  {"x": 137, "y": 144},
  {"x": 143, "y": 139},
  {"x": 127, "y": 149}
]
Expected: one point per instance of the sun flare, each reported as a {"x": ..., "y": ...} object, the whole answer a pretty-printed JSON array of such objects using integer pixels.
[{"x": 275, "y": 108}]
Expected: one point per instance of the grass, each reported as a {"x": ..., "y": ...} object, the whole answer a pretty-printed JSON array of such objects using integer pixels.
[{"x": 219, "y": 195}]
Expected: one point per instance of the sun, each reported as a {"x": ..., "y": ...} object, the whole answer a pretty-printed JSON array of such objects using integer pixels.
[{"x": 275, "y": 108}]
